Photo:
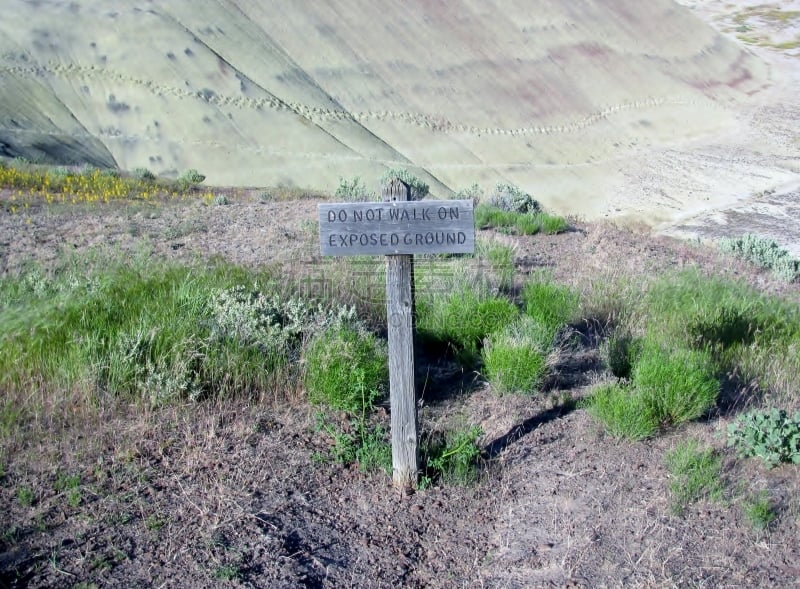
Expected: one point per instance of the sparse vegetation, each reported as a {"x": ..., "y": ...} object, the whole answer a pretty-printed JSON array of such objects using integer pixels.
[
  {"x": 759, "y": 511},
  {"x": 353, "y": 190}
]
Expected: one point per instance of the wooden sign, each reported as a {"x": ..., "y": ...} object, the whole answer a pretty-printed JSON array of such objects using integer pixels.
[{"x": 397, "y": 227}]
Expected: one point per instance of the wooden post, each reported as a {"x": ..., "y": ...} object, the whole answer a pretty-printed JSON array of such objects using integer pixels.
[{"x": 400, "y": 319}]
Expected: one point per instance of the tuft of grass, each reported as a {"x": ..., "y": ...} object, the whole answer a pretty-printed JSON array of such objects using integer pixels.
[
  {"x": 678, "y": 385},
  {"x": 25, "y": 496},
  {"x": 515, "y": 359},
  {"x": 758, "y": 510},
  {"x": 549, "y": 304},
  {"x": 623, "y": 411},
  {"x": 501, "y": 260},
  {"x": 346, "y": 368},
  {"x": 462, "y": 319},
  {"x": 696, "y": 475}
]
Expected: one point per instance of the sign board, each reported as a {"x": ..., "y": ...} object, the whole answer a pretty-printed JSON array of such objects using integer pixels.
[{"x": 397, "y": 227}]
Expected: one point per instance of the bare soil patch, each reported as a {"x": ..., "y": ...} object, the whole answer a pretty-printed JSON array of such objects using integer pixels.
[{"x": 230, "y": 493}]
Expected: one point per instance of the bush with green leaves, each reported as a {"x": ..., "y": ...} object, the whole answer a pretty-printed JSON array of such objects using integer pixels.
[
  {"x": 515, "y": 359},
  {"x": 452, "y": 456},
  {"x": 771, "y": 435},
  {"x": 696, "y": 474},
  {"x": 549, "y": 304},
  {"x": 765, "y": 253},
  {"x": 419, "y": 189},
  {"x": 346, "y": 368}
]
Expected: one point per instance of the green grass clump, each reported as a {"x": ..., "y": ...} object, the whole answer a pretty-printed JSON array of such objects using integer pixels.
[
  {"x": 452, "y": 457},
  {"x": 765, "y": 253},
  {"x": 346, "y": 368},
  {"x": 491, "y": 217},
  {"x": 462, "y": 319},
  {"x": 515, "y": 359},
  {"x": 623, "y": 411},
  {"x": 549, "y": 304},
  {"x": 678, "y": 385},
  {"x": 754, "y": 335},
  {"x": 758, "y": 510},
  {"x": 667, "y": 388},
  {"x": 696, "y": 474},
  {"x": 770, "y": 435}
]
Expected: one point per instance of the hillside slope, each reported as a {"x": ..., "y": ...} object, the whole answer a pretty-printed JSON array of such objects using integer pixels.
[{"x": 555, "y": 97}]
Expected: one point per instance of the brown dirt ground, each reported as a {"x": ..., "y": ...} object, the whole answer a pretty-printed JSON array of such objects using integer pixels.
[{"x": 227, "y": 492}]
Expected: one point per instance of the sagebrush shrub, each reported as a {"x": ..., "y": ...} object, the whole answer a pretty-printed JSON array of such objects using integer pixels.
[
  {"x": 419, "y": 189},
  {"x": 512, "y": 199},
  {"x": 353, "y": 190},
  {"x": 765, "y": 253}
]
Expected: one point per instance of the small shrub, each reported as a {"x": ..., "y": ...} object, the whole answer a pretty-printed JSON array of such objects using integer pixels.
[
  {"x": 759, "y": 511},
  {"x": 473, "y": 193},
  {"x": 453, "y": 458},
  {"x": 419, "y": 189},
  {"x": 770, "y": 435},
  {"x": 696, "y": 474},
  {"x": 765, "y": 253},
  {"x": 190, "y": 178},
  {"x": 353, "y": 190},
  {"x": 678, "y": 385},
  {"x": 221, "y": 200},
  {"x": 515, "y": 359},
  {"x": 551, "y": 305},
  {"x": 143, "y": 174},
  {"x": 510, "y": 198},
  {"x": 346, "y": 369},
  {"x": 623, "y": 412}
]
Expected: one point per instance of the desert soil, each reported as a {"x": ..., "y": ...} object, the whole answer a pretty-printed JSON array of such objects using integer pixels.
[{"x": 228, "y": 492}]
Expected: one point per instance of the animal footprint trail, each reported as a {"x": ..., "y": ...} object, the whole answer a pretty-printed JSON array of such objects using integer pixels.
[{"x": 318, "y": 114}]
